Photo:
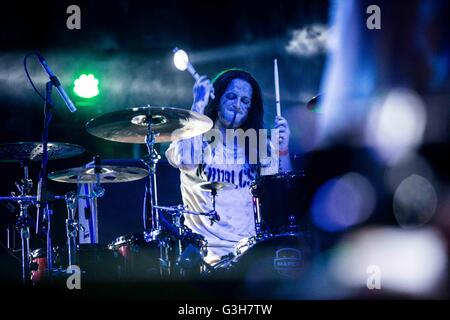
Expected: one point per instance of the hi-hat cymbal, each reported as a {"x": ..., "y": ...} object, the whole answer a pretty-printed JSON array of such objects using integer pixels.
[
  {"x": 32, "y": 151},
  {"x": 131, "y": 125},
  {"x": 216, "y": 186},
  {"x": 107, "y": 174}
]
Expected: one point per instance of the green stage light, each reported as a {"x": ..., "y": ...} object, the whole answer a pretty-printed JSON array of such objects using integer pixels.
[{"x": 86, "y": 86}]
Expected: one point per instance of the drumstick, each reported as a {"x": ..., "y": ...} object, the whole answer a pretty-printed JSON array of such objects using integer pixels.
[
  {"x": 196, "y": 76},
  {"x": 277, "y": 87},
  {"x": 181, "y": 61}
]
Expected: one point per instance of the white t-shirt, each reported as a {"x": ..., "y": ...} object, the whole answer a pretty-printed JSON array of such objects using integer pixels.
[{"x": 235, "y": 207}]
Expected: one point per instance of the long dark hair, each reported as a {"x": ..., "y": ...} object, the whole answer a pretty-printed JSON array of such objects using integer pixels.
[{"x": 255, "y": 117}]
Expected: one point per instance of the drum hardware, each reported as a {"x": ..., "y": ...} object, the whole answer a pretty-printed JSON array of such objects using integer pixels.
[
  {"x": 95, "y": 174},
  {"x": 213, "y": 187},
  {"x": 24, "y": 152},
  {"x": 190, "y": 261},
  {"x": 292, "y": 226},
  {"x": 212, "y": 215},
  {"x": 189, "y": 248},
  {"x": 222, "y": 265},
  {"x": 167, "y": 124},
  {"x": 245, "y": 244},
  {"x": 24, "y": 222},
  {"x": 261, "y": 234},
  {"x": 72, "y": 228},
  {"x": 151, "y": 214},
  {"x": 258, "y": 219},
  {"x": 150, "y": 125},
  {"x": 213, "y": 194}
]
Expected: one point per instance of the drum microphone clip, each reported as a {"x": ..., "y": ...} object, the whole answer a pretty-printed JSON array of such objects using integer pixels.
[{"x": 213, "y": 216}]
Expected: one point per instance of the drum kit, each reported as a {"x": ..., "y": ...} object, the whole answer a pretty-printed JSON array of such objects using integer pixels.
[{"x": 166, "y": 248}]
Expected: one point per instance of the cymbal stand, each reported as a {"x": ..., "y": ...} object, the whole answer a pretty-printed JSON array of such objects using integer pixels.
[
  {"x": 71, "y": 228},
  {"x": 151, "y": 197},
  {"x": 151, "y": 217},
  {"x": 24, "y": 223},
  {"x": 72, "y": 225},
  {"x": 188, "y": 256},
  {"x": 176, "y": 221}
]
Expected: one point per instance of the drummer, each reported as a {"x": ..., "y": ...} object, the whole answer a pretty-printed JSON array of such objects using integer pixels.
[{"x": 233, "y": 100}]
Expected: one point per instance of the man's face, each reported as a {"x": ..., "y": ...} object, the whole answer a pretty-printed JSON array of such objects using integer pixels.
[{"x": 235, "y": 104}]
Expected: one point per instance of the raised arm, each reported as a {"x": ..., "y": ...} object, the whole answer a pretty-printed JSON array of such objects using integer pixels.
[{"x": 186, "y": 154}]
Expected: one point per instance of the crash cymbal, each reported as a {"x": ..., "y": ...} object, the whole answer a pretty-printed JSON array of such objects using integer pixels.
[
  {"x": 32, "y": 151},
  {"x": 216, "y": 186},
  {"x": 107, "y": 174},
  {"x": 131, "y": 125}
]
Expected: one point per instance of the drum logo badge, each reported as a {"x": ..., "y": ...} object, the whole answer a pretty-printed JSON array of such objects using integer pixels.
[{"x": 288, "y": 262}]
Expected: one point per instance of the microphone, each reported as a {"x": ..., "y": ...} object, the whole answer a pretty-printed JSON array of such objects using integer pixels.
[{"x": 56, "y": 83}]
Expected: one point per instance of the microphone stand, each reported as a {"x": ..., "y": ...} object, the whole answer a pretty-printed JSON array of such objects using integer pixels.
[{"x": 42, "y": 196}]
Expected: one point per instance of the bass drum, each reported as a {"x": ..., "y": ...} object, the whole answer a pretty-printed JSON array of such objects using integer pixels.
[{"x": 281, "y": 257}]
